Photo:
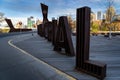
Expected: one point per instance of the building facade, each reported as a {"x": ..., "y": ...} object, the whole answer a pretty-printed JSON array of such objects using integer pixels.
[{"x": 99, "y": 15}]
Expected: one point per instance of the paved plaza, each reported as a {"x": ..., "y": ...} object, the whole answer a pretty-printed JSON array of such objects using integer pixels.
[{"x": 101, "y": 49}]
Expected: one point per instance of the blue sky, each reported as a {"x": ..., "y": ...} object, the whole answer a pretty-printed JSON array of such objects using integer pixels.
[{"x": 26, "y": 8}]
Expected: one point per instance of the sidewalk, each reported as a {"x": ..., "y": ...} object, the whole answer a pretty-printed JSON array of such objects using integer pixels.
[{"x": 42, "y": 49}]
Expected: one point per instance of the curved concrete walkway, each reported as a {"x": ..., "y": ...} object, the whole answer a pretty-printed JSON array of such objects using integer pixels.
[
  {"x": 16, "y": 64},
  {"x": 101, "y": 49}
]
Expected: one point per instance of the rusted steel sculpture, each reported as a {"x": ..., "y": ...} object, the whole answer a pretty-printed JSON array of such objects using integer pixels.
[
  {"x": 45, "y": 19},
  {"x": 40, "y": 30},
  {"x": 83, "y": 63},
  {"x": 12, "y": 29},
  {"x": 46, "y": 27},
  {"x": 10, "y": 25},
  {"x": 48, "y": 31},
  {"x": 63, "y": 37},
  {"x": 60, "y": 37},
  {"x": 54, "y": 30},
  {"x": 44, "y": 12}
]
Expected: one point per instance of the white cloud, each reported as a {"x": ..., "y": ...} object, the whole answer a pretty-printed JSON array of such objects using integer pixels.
[
  {"x": 62, "y": 12},
  {"x": 116, "y": 0}
]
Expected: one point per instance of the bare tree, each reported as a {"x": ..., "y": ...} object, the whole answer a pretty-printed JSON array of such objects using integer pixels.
[{"x": 110, "y": 12}]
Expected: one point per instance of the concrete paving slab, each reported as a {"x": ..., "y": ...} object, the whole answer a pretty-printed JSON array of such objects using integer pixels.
[{"x": 101, "y": 49}]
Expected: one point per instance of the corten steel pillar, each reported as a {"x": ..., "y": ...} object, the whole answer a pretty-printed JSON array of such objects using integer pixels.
[
  {"x": 48, "y": 31},
  {"x": 44, "y": 12},
  {"x": 40, "y": 30},
  {"x": 45, "y": 19},
  {"x": 45, "y": 30},
  {"x": 83, "y": 63},
  {"x": 63, "y": 37},
  {"x": 12, "y": 29},
  {"x": 54, "y": 30}
]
